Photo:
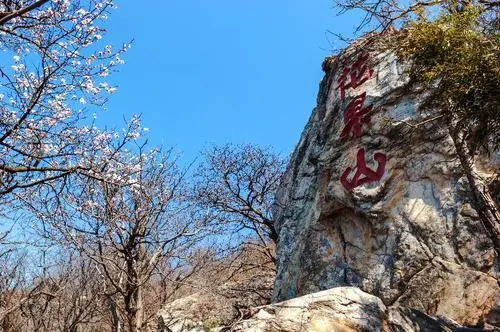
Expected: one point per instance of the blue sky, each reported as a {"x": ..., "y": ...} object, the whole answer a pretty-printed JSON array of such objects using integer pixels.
[{"x": 221, "y": 71}]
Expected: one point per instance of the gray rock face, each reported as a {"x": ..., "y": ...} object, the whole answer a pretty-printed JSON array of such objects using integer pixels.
[{"x": 375, "y": 197}]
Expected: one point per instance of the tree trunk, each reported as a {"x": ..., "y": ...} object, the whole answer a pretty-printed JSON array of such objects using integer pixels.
[
  {"x": 115, "y": 320},
  {"x": 6, "y": 323},
  {"x": 139, "y": 309},
  {"x": 133, "y": 298},
  {"x": 133, "y": 307},
  {"x": 484, "y": 203}
]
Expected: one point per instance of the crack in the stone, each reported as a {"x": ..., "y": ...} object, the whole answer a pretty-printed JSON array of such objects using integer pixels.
[
  {"x": 344, "y": 254},
  {"x": 407, "y": 282}
]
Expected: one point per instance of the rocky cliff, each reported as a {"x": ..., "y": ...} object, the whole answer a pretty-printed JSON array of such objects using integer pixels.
[{"x": 375, "y": 197}]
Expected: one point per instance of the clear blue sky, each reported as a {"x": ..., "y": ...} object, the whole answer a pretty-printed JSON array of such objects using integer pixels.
[{"x": 221, "y": 71}]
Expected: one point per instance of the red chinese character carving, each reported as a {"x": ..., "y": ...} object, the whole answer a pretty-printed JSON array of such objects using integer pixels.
[
  {"x": 355, "y": 115},
  {"x": 357, "y": 74},
  {"x": 362, "y": 170}
]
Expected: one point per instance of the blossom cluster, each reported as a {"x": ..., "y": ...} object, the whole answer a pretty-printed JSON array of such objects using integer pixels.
[{"x": 49, "y": 93}]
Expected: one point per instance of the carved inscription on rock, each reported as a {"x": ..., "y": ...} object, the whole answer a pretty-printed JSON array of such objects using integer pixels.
[{"x": 357, "y": 114}]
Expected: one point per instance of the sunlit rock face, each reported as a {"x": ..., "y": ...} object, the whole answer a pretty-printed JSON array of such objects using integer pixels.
[
  {"x": 374, "y": 197},
  {"x": 346, "y": 309}
]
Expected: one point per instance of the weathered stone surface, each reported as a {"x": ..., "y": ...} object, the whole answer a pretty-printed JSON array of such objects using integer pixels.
[
  {"x": 343, "y": 309},
  {"x": 448, "y": 289},
  {"x": 337, "y": 309},
  {"x": 413, "y": 237}
]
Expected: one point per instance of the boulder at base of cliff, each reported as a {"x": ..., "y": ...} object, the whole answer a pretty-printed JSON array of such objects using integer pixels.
[{"x": 345, "y": 309}]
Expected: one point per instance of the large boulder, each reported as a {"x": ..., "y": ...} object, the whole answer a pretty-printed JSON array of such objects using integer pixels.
[
  {"x": 346, "y": 309},
  {"x": 375, "y": 197},
  {"x": 337, "y": 309}
]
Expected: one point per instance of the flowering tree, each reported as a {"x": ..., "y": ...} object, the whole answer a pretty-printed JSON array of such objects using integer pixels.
[
  {"x": 58, "y": 72},
  {"x": 55, "y": 66},
  {"x": 129, "y": 227}
]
